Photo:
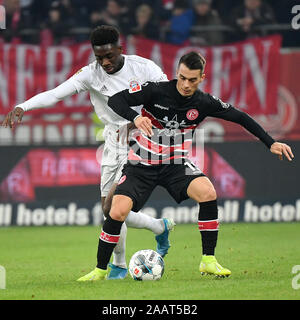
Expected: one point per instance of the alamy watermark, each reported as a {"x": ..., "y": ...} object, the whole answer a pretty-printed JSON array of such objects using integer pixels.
[
  {"x": 2, "y": 18},
  {"x": 2, "y": 277},
  {"x": 296, "y": 278},
  {"x": 168, "y": 145},
  {"x": 296, "y": 18}
]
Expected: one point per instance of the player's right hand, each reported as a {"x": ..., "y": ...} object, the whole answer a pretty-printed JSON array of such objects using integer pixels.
[
  {"x": 144, "y": 124},
  {"x": 11, "y": 117}
]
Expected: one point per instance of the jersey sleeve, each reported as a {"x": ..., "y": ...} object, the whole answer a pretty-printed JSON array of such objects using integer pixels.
[
  {"x": 226, "y": 111},
  {"x": 155, "y": 73},
  {"x": 216, "y": 107},
  {"x": 81, "y": 79},
  {"x": 121, "y": 102},
  {"x": 75, "y": 84}
]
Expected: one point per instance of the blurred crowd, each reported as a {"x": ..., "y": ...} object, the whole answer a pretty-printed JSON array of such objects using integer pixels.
[{"x": 180, "y": 22}]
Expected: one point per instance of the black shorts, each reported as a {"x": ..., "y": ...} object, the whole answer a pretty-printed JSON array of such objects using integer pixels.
[{"x": 138, "y": 181}]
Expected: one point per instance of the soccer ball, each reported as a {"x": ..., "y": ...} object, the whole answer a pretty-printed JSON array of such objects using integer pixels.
[{"x": 146, "y": 265}]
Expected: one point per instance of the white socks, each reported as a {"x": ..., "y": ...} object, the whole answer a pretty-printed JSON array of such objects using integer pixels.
[
  {"x": 119, "y": 258},
  {"x": 140, "y": 220},
  {"x": 136, "y": 220}
]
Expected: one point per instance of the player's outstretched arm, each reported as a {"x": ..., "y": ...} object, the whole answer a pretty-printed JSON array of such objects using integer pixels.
[
  {"x": 76, "y": 84},
  {"x": 282, "y": 149},
  {"x": 12, "y": 116},
  {"x": 219, "y": 109}
]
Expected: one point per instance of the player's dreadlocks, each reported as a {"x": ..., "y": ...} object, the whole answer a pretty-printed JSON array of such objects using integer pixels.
[
  {"x": 193, "y": 60},
  {"x": 103, "y": 35}
]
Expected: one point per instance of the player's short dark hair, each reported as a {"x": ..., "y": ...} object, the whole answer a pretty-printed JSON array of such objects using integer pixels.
[
  {"x": 102, "y": 35},
  {"x": 193, "y": 60}
]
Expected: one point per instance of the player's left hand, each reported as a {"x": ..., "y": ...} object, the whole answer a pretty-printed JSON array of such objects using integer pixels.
[{"x": 282, "y": 149}]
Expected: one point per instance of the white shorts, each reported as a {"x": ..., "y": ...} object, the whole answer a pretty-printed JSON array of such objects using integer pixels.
[{"x": 113, "y": 159}]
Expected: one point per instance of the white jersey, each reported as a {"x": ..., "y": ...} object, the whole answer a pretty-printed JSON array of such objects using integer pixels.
[{"x": 101, "y": 85}]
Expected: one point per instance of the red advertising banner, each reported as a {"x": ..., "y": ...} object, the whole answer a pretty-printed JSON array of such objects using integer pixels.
[
  {"x": 285, "y": 123},
  {"x": 288, "y": 115},
  {"x": 49, "y": 168},
  {"x": 66, "y": 167},
  {"x": 253, "y": 75},
  {"x": 242, "y": 74}
]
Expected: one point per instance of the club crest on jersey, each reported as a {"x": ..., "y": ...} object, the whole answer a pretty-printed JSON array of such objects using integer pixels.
[
  {"x": 134, "y": 86},
  {"x": 122, "y": 179},
  {"x": 192, "y": 114}
]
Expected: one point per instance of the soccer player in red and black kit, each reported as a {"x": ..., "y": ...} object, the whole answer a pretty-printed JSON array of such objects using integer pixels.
[{"x": 171, "y": 112}]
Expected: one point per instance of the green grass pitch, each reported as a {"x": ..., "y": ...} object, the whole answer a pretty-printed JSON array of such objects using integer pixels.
[{"x": 42, "y": 263}]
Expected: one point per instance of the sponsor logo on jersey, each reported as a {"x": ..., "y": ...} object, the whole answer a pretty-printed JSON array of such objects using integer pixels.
[
  {"x": 160, "y": 107},
  {"x": 192, "y": 114},
  {"x": 134, "y": 86},
  {"x": 104, "y": 89},
  {"x": 122, "y": 179},
  {"x": 171, "y": 126}
]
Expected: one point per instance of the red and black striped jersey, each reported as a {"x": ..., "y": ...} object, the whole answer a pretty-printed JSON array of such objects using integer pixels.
[{"x": 174, "y": 119}]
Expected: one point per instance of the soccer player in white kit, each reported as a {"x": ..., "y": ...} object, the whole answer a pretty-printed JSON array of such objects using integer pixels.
[{"x": 110, "y": 73}]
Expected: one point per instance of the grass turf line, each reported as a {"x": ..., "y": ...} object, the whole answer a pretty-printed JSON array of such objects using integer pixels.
[{"x": 44, "y": 262}]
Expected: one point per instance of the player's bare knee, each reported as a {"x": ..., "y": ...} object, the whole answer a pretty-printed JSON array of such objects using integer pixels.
[
  {"x": 209, "y": 194},
  {"x": 117, "y": 213},
  {"x": 117, "y": 216},
  {"x": 120, "y": 207}
]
